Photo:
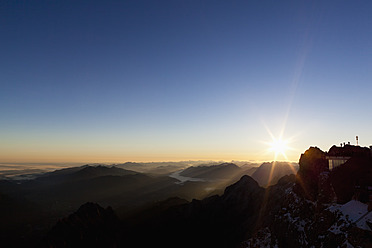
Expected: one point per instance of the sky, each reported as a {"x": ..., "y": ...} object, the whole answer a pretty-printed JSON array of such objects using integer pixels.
[{"x": 117, "y": 81}]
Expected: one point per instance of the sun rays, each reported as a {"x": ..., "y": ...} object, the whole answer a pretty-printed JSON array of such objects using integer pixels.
[{"x": 279, "y": 147}]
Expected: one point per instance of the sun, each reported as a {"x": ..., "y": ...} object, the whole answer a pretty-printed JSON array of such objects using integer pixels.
[
  {"x": 279, "y": 147},
  {"x": 278, "y": 144}
]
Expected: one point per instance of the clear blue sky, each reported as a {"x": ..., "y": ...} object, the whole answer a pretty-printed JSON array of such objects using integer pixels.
[{"x": 99, "y": 81}]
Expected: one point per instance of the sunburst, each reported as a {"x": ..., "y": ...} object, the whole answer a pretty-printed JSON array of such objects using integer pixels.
[{"x": 279, "y": 147}]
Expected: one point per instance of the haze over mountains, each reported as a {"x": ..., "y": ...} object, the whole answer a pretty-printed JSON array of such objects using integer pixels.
[
  {"x": 266, "y": 174},
  {"x": 276, "y": 204},
  {"x": 41, "y": 200}
]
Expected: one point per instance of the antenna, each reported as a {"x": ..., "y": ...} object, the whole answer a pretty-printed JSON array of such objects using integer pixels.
[{"x": 357, "y": 139}]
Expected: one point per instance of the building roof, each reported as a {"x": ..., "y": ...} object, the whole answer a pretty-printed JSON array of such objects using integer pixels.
[{"x": 349, "y": 151}]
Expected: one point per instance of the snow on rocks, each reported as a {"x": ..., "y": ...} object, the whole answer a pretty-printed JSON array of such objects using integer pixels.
[
  {"x": 354, "y": 212},
  {"x": 299, "y": 222}
]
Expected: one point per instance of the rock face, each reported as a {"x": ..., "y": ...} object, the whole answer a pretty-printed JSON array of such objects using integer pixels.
[
  {"x": 90, "y": 226},
  {"x": 326, "y": 193},
  {"x": 299, "y": 223},
  {"x": 312, "y": 163}
]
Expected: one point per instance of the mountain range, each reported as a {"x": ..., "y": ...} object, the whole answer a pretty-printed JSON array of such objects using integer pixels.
[
  {"x": 228, "y": 208},
  {"x": 266, "y": 174},
  {"x": 41, "y": 201}
]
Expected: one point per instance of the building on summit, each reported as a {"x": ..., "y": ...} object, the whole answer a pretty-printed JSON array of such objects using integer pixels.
[
  {"x": 357, "y": 172},
  {"x": 339, "y": 155}
]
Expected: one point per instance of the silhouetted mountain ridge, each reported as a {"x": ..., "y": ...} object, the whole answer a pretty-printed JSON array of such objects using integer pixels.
[
  {"x": 82, "y": 173},
  {"x": 219, "y": 217},
  {"x": 90, "y": 226},
  {"x": 220, "y": 171},
  {"x": 269, "y": 173}
]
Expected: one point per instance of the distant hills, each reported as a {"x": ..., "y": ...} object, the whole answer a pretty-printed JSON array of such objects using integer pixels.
[
  {"x": 220, "y": 171},
  {"x": 156, "y": 167},
  {"x": 270, "y": 173},
  {"x": 266, "y": 174},
  {"x": 82, "y": 173},
  {"x": 38, "y": 202},
  {"x": 170, "y": 167}
]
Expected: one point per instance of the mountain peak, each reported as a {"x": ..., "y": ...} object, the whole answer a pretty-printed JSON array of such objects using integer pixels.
[
  {"x": 90, "y": 226},
  {"x": 91, "y": 209},
  {"x": 243, "y": 188},
  {"x": 269, "y": 173},
  {"x": 219, "y": 171}
]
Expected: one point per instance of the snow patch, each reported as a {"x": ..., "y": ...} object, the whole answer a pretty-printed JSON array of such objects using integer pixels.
[
  {"x": 347, "y": 245},
  {"x": 353, "y": 212}
]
